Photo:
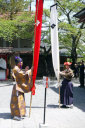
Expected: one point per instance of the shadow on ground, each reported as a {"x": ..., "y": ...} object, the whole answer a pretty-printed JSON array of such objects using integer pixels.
[
  {"x": 48, "y": 106},
  {"x": 52, "y": 106},
  {"x": 78, "y": 97},
  {"x": 34, "y": 107},
  {"x": 5, "y": 85},
  {"x": 5, "y": 115}
]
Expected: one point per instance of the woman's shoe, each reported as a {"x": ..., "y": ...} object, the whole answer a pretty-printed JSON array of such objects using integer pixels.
[
  {"x": 63, "y": 106},
  {"x": 71, "y": 106}
]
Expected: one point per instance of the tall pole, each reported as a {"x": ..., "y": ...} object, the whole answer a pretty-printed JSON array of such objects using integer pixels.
[
  {"x": 55, "y": 43},
  {"x": 38, "y": 23},
  {"x": 44, "y": 105},
  {"x": 59, "y": 90}
]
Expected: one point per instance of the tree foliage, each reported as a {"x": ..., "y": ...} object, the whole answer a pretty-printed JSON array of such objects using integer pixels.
[
  {"x": 15, "y": 21},
  {"x": 21, "y": 27},
  {"x": 70, "y": 31},
  {"x": 46, "y": 31},
  {"x": 12, "y": 7}
]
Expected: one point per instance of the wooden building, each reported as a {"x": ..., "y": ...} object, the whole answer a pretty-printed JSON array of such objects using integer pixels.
[
  {"x": 45, "y": 66},
  {"x": 23, "y": 48},
  {"x": 9, "y": 50},
  {"x": 80, "y": 15}
]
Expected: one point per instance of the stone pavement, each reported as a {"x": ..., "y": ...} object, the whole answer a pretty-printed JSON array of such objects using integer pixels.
[{"x": 55, "y": 117}]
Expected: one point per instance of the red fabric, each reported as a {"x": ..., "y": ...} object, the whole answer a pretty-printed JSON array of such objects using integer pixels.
[{"x": 37, "y": 38}]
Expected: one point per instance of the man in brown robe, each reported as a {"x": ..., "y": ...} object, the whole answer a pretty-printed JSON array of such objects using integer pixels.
[{"x": 23, "y": 85}]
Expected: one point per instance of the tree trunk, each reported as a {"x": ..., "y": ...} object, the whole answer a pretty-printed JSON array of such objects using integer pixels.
[{"x": 73, "y": 53}]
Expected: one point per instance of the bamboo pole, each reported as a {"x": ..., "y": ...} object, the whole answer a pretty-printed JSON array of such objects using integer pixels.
[
  {"x": 30, "y": 105},
  {"x": 59, "y": 96},
  {"x": 59, "y": 82}
]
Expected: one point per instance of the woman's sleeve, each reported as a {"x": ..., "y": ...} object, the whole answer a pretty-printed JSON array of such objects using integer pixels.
[{"x": 62, "y": 73}]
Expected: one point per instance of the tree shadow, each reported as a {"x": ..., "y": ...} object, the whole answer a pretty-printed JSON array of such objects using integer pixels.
[
  {"x": 5, "y": 115},
  {"x": 78, "y": 96},
  {"x": 55, "y": 89}
]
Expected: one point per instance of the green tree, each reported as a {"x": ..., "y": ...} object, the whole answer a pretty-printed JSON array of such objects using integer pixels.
[
  {"x": 12, "y": 7},
  {"x": 16, "y": 22},
  {"x": 21, "y": 27},
  {"x": 70, "y": 31}
]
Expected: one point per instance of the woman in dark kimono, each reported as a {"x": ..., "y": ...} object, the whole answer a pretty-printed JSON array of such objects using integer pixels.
[{"x": 66, "y": 92}]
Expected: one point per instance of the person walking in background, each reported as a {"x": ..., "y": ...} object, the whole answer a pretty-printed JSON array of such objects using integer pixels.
[
  {"x": 81, "y": 74},
  {"x": 66, "y": 91},
  {"x": 76, "y": 70},
  {"x": 23, "y": 85}
]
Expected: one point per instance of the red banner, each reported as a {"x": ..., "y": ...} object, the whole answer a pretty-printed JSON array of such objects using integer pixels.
[{"x": 37, "y": 39}]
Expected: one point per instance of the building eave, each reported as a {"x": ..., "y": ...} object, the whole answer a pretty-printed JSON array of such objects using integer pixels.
[
  {"x": 80, "y": 13},
  {"x": 6, "y": 50}
]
